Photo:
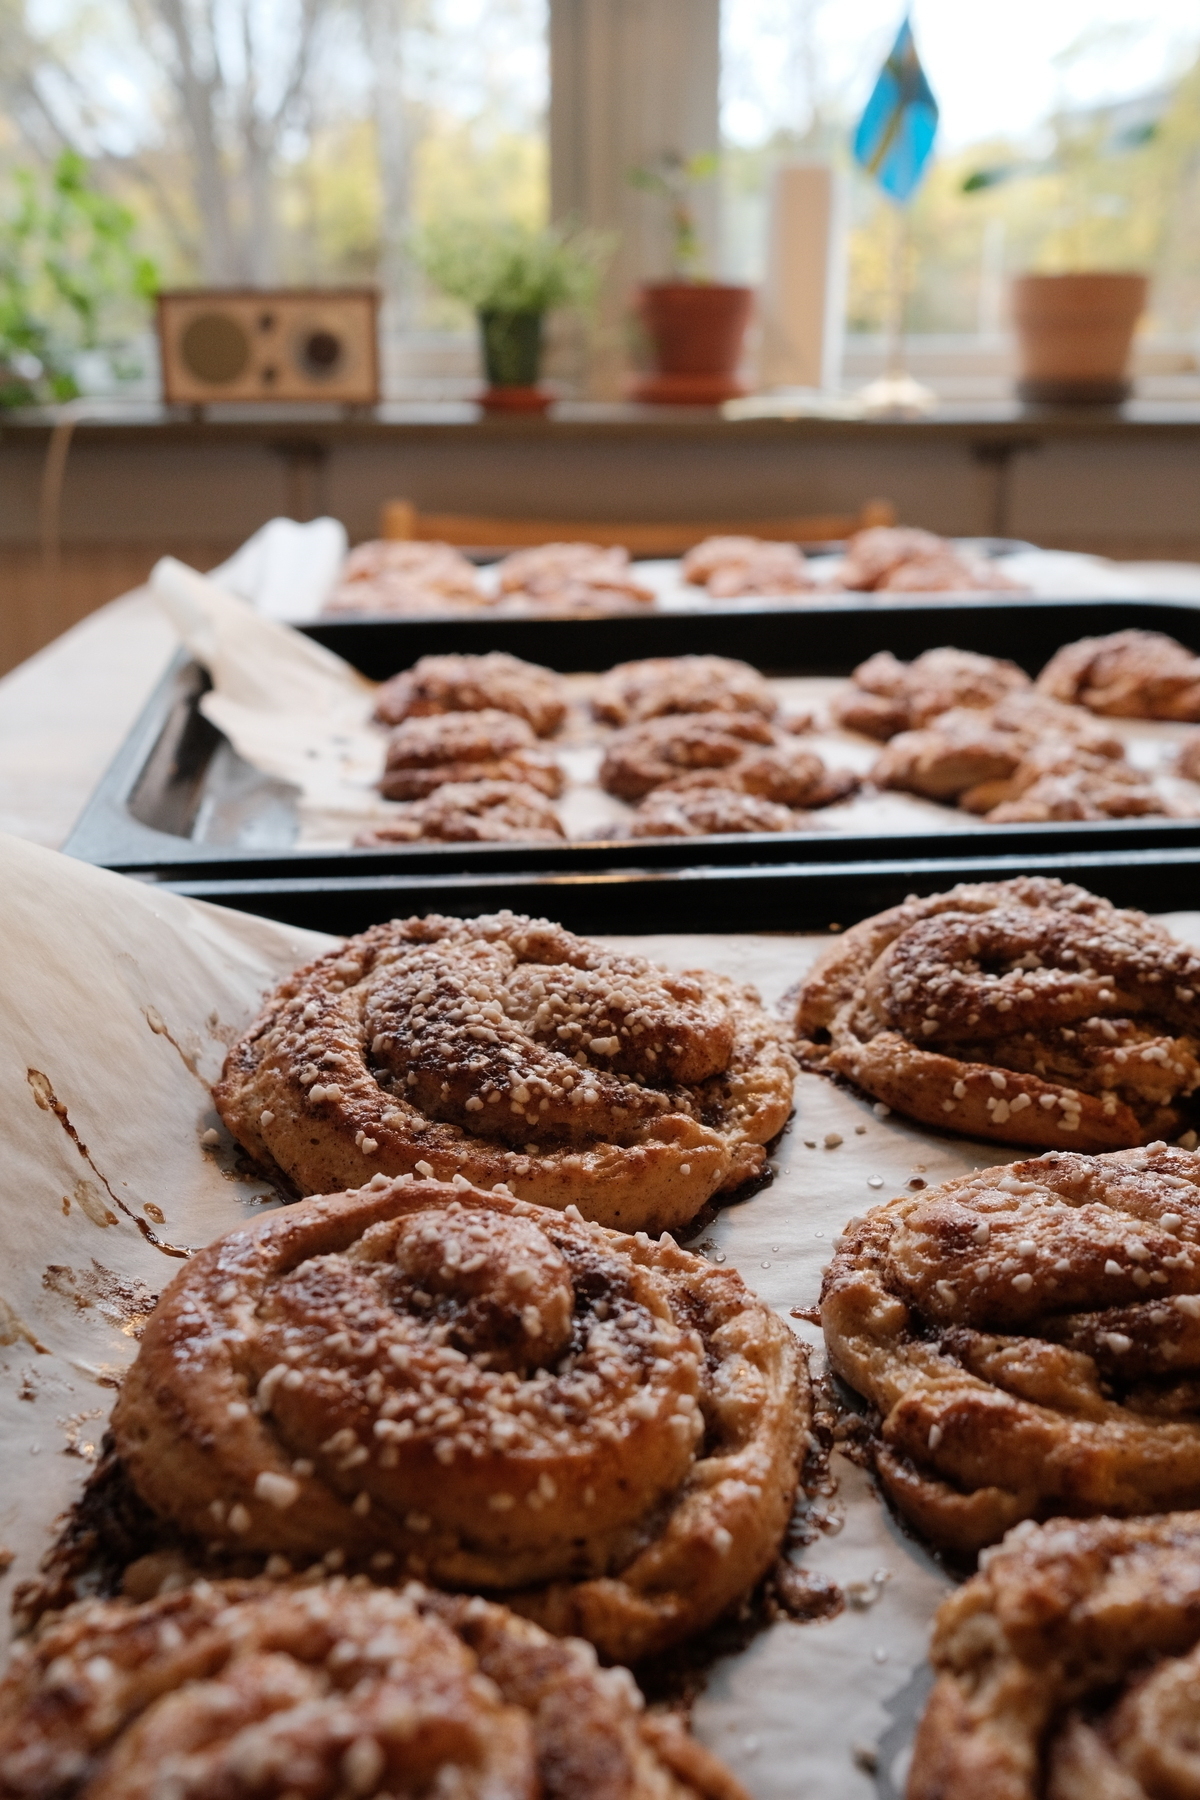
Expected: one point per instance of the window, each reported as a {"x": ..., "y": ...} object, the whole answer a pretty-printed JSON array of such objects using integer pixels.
[{"x": 1069, "y": 132}]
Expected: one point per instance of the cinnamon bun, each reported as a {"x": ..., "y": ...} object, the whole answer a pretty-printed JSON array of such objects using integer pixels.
[
  {"x": 488, "y": 1395},
  {"x": 1061, "y": 781},
  {"x": 1127, "y": 675},
  {"x": 571, "y": 580},
  {"x": 758, "y": 792},
  {"x": 507, "y": 1049},
  {"x": 1013, "y": 1010},
  {"x": 454, "y": 684},
  {"x": 730, "y": 566},
  {"x": 873, "y": 554},
  {"x": 642, "y": 757},
  {"x": 1028, "y": 1338},
  {"x": 677, "y": 811},
  {"x": 425, "y": 753},
  {"x": 400, "y": 577},
  {"x": 461, "y": 812},
  {"x": 943, "y": 573},
  {"x": 636, "y": 691},
  {"x": 904, "y": 559},
  {"x": 887, "y": 696},
  {"x": 1032, "y": 769},
  {"x": 329, "y": 1692},
  {"x": 1069, "y": 1668}
]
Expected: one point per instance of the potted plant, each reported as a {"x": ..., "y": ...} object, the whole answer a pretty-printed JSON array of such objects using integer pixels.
[
  {"x": 1075, "y": 335},
  {"x": 1074, "y": 321},
  {"x": 695, "y": 327},
  {"x": 72, "y": 284},
  {"x": 511, "y": 276}
]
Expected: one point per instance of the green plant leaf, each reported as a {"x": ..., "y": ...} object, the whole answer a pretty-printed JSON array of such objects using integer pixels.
[{"x": 507, "y": 267}]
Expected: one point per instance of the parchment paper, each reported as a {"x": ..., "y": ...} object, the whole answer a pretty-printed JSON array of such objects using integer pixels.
[
  {"x": 117, "y": 1006},
  {"x": 302, "y": 715}
]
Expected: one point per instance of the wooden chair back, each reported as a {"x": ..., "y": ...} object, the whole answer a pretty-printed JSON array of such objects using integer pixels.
[{"x": 402, "y": 521}]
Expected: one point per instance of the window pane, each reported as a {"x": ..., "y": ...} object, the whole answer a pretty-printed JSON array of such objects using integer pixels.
[{"x": 1076, "y": 119}]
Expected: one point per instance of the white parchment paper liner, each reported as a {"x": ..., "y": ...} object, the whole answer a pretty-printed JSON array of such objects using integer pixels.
[{"x": 119, "y": 1001}]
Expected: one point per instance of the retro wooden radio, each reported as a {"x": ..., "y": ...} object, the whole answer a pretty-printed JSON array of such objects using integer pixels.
[{"x": 269, "y": 344}]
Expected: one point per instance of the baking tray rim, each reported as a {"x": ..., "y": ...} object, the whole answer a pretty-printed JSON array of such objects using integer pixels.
[
  {"x": 106, "y": 832},
  {"x": 751, "y": 897}
]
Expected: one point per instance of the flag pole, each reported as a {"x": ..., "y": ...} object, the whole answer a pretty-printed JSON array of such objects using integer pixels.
[
  {"x": 893, "y": 361},
  {"x": 893, "y": 143},
  {"x": 895, "y": 394}
]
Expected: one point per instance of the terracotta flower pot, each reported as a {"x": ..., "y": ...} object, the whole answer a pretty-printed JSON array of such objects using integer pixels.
[
  {"x": 696, "y": 331},
  {"x": 1074, "y": 336}
]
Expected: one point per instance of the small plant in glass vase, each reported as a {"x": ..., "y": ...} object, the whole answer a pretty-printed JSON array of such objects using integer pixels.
[
  {"x": 694, "y": 327},
  {"x": 511, "y": 276},
  {"x": 1075, "y": 315}
]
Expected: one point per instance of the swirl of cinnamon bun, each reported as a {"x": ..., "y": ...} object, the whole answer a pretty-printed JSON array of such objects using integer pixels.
[
  {"x": 1127, "y": 675},
  {"x": 451, "y": 684},
  {"x": 1014, "y": 1010},
  {"x": 657, "y": 686},
  {"x": 730, "y": 566},
  {"x": 427, "y": 752},
  {"x": 463, "y": 812},
  {"x": 506, "y": 1049},
  {"x": 331, "y": 1692},
  {"x": 642, "y": 757},
  {"x": 1069, "y": 1668},
  {"x": 481, "y": 1393},
  {"x": 886, "y": 696},
  {"x": 1030, "y": 1340},
  {"x": 677, "y": 811}
]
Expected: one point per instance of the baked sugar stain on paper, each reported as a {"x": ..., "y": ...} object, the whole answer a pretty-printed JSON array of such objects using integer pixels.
[
  {"x": 90, "y": 1202},
  {"x": 159, "y": 1027},
  {"x": 126, "y": 1302},
  {"x": 13, "y": 1329},
  {"x": 43, "y": 1092}
]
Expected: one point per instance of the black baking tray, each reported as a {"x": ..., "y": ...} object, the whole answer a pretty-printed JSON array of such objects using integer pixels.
[
  {"x": 783, "y": 897},
  {"x": 178, "y": 803}
]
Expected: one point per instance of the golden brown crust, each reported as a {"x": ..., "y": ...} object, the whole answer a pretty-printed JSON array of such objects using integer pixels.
[
  {"x": 1029, "y": 1338},
  {"x": 1061, "y": 781},
  {"x": 330, "y": 1691},
  {"x": 642, "y": 757},
  {"x": 471, "y": 812},
  {"x": 1068, "y": 1669},
  {"x": 507, "y": 1049},
  {"x": 959, "y": 751},
  {"x": 1026, "y": 758},
  {"x": 479, "y": 1392},
  {"x": 708, "y": 811},
  {"x": 442, "y": 684},
  {"x": 660, "y": 685},
  {"x": 728, "y": 566},
  {"x": 788, "y": 773},
  {"x": 1127, "y": 675},
  {"x": 886, "y": 696},
  {"x": 1017, "y": 1010},
  {"x": 425, "y": 753}
]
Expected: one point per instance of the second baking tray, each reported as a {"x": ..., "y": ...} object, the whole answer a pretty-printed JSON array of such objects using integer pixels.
[
  {"x": 177, "y": 801},
  {"x": 783, "y": 897}
]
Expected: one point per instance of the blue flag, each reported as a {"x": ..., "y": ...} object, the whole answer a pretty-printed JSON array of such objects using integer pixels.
[{"x": 896, "y": 132}]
